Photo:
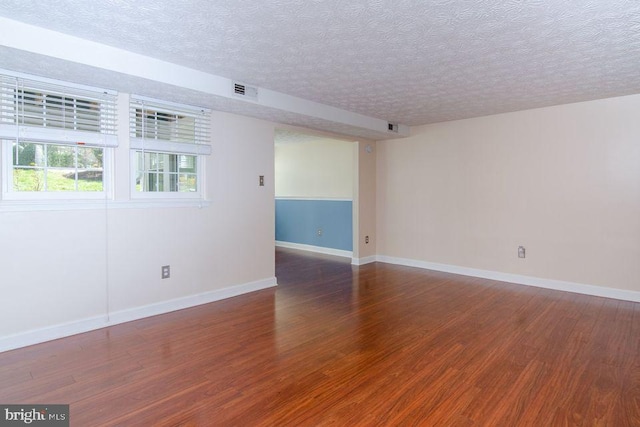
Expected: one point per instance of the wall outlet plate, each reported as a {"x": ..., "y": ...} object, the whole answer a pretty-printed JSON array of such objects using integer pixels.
[
  {"x": 521, "y": 252},
  {"x": 166, "y": 271}
]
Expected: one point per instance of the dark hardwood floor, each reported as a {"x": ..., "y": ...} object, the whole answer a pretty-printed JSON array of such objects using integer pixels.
[{"x": 341, "y": 345}]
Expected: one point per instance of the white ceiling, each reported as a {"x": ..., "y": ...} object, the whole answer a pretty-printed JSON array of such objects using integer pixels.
[{"x": 411, "y": 62}]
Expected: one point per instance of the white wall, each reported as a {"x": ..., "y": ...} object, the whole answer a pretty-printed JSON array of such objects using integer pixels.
[
  {"x": 53, "y": 268},
  {"x": 62, "y": 267},
  {"x": 365, "y": 207},
  {"x": 227, "y": 243},
  {"x": 320, "y": 168},
  {"x": 562, "y": 181}
]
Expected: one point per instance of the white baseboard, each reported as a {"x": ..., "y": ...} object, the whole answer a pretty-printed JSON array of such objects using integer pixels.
[
  {"x": 364, "y": 260},
  {"x": 188, "y": 301},
  {"x": 558, "y": 285},
  {"x": 49, "y": 333},
  {"x": 317, "y": 249}
]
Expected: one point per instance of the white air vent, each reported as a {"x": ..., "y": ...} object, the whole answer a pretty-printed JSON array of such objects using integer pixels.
[
  {"x": 393, "y": 127},
  {"x": 240, "y": 89}
]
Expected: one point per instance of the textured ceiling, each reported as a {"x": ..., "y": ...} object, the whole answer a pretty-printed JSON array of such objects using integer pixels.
[{"x": 413, "y": 62}]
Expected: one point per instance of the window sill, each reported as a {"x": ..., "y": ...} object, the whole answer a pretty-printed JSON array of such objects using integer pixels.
[{"x": 69, "y": 205}]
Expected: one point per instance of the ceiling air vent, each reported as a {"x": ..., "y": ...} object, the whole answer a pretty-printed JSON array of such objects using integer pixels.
[
  {"x": 393, "y": 127},
  {"x": 245, "y": 91}
]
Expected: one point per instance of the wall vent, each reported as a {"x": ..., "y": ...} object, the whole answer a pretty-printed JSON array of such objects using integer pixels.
[
  {"x": 393, "y": 127},
  {"x": 245, "y": 91}
]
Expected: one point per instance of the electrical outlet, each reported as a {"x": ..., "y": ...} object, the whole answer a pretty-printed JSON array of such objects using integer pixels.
[
  {"x": 521, "y": 252},
  {"x": 366, "y": 239},
  {"x": 166, "y": 271},
  {"x": 261, "y": 180},
  {"x": 319, "y": 232}
]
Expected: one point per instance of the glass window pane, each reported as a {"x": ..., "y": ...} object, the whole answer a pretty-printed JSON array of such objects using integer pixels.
[
  {"x": 187, "y": 163},
  {"x": 188, "y": 183},
  {"x": 151, "y": 181},
  {"x": 173, "y": 182},
  {"x": 28, "y": 179},
  {"x": 154, "y": 161},
  {"x": 172, "y": 162},
  {"x": 90, "y": 180},
  {"x": 139, "y": 181},
  {"x": 60, "y": 156},
  {"x": 61, "y": 180},
  {"x": 90, "y": 158},
  {"x": 28, "y": 154},
  {"x": 159, "y": 182},
  {"x": 139, "y": 161}
]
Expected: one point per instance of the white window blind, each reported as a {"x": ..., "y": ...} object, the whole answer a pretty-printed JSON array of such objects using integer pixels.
[
  {"x": 42, "y": 111},
  {"x": 168, "y": 128}
]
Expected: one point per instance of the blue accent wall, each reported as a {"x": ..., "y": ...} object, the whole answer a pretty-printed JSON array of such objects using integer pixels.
[{"x": 298, "y": 221}]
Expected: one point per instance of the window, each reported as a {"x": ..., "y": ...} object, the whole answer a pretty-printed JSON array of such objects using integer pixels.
[
  {"x": 56, "y": 139},
  {"x": 167, "y": 144}
]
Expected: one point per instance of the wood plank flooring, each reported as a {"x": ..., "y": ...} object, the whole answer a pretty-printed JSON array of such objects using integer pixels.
[{"x": 376, "y": 345}]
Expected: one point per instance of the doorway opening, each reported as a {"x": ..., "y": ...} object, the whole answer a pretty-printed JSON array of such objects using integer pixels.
[{"x": 316, "y": 192}]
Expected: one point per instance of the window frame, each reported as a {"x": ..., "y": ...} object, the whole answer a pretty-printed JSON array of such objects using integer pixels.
[
  {"x": 199, "y": 148},
  {"x": 68, "y": 132},
  {"x": 8, "y": 193},
  {"x": 190, "y": 195}
]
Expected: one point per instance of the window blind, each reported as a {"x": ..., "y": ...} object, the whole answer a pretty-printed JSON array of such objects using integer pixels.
[
  {"x": 168, "y": 128},
  {"x": 39, "y": 111}
]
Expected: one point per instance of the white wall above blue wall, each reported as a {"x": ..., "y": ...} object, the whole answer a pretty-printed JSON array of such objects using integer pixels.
[{"x": 314, "y": 186}]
